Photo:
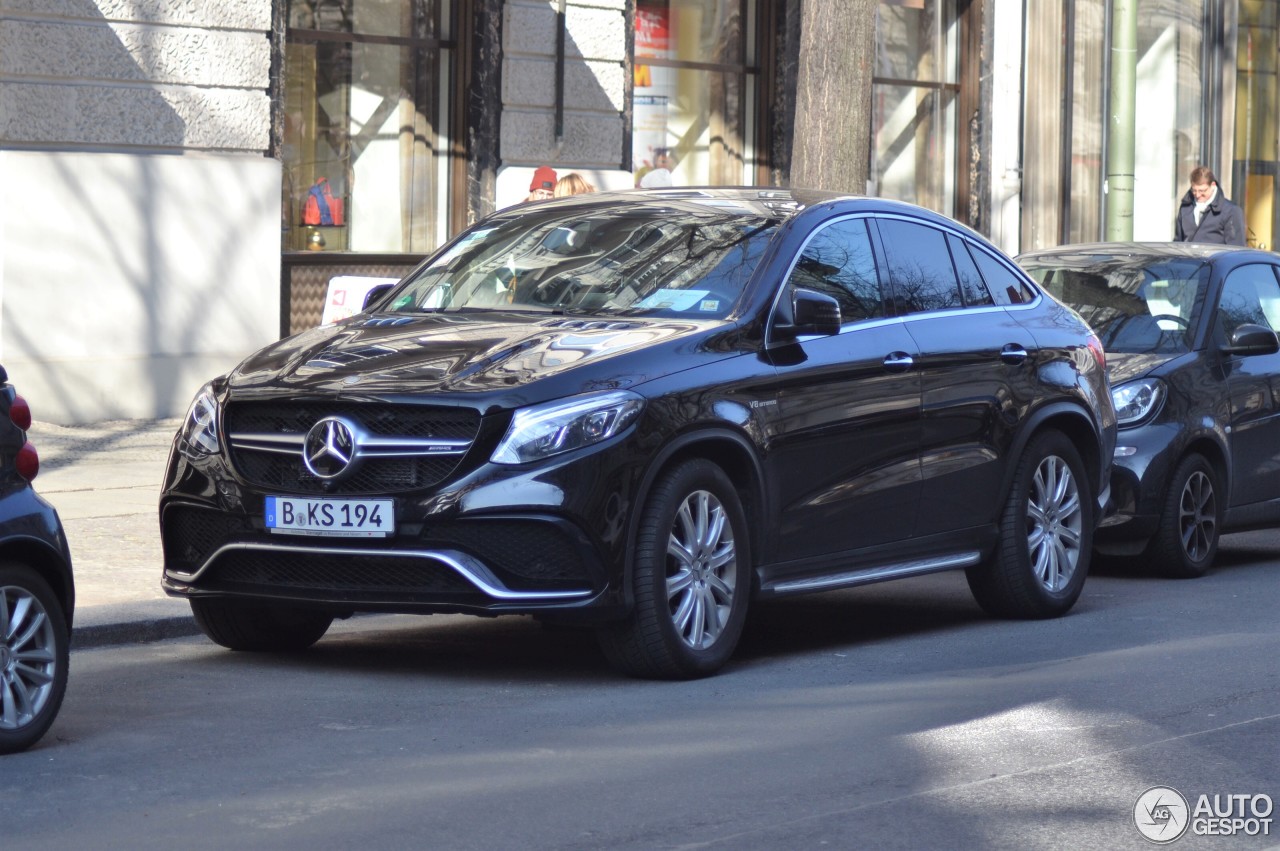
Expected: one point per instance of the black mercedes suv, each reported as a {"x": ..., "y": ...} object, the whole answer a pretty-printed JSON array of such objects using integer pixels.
[{"x": 639, "y": 411}]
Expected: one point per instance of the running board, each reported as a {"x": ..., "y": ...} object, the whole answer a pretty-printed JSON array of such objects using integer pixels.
[{"x": 874, "y": 574}]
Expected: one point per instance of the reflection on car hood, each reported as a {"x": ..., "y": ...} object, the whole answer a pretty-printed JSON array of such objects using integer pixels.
[
  {"x": 462, "y": 353},
  {"x": 1122, "y": 367}
]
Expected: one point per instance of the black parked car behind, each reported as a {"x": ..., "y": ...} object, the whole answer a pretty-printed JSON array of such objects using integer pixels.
[
  {"x": 37, "y": 592},
  {"x": 1190, "y": 334},
  {"x": 639, "y": 410}
]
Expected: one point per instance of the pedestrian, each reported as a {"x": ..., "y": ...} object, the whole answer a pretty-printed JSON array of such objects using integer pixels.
[
  {"x": 543, "y": 185},
  {"x": 572, "y": 184},
  {"x": 659, "y": 176},
  {"x": 1206, "y": 215}
]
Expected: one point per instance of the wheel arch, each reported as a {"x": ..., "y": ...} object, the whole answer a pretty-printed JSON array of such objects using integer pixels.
[
  {"x": 735, "y": 455},
  {"x": 1072, "y": 421},
  {"x": 1212, "y": 452},
  {"x": 49, "y": 564}
]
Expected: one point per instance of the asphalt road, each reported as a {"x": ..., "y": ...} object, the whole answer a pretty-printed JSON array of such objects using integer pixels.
[{"x": 895, "y": 716}]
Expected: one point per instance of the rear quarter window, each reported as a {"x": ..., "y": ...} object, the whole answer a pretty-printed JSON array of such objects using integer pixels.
[{"x": 1005, "y": 285}]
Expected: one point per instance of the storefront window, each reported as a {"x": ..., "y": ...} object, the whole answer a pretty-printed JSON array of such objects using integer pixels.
[
  {"x": 694, "y": 87},
  {"x": 1065, "y": 160},
  {"x": 365, "y": 139},
  {"x": 914, "y": 91},
  {"x": 1171, "y": 105},
  {"x": 1256, "y": 173}
]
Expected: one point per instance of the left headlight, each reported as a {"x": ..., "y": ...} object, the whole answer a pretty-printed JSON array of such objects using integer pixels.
[
  {"x": 1137, "y": 400},
  {"x": 200, "y": 428},
  {"x": 541, "y": 431}
]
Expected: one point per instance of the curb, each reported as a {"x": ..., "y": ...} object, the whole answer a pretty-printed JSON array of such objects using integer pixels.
[{"x": 132, "y": 632}]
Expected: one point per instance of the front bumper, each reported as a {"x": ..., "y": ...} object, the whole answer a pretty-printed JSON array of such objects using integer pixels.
[
  {"x": 1144, "y": 460},
  {"x": 495, "y": 564},
  {"x": 494, "y": 540}
]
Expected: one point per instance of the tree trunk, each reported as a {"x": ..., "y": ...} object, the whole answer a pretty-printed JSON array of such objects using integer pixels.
[{"x": 832, "y": 137}]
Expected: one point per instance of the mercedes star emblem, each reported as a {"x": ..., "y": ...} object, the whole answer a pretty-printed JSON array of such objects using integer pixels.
[{"x": 330, "y": 447}]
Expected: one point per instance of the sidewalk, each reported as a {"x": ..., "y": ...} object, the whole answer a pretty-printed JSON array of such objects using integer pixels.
[{"x": 104, "y": 479}]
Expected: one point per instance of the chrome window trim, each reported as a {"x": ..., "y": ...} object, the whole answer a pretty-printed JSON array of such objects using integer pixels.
[{"x": 846, "y": 327}]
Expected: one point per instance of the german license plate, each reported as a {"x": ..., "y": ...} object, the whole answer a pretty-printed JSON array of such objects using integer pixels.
[{"x": 351, "y": 518}]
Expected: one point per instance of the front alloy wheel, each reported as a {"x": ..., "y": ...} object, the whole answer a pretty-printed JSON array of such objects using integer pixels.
[
  {"x": 701, "y": 577},
  {"x": 691, "y": 578},
  {"x": 34, "y": 648},
  {"x": 1186, "y": 541}
]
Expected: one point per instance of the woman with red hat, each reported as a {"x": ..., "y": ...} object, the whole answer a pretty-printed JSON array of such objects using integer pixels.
[{"x": 543, "y": 185}]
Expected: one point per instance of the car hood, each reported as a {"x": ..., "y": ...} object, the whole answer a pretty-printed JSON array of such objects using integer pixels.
[
  {"x": 1122, "y": 367},
  {"x": 468, "y": 354}
]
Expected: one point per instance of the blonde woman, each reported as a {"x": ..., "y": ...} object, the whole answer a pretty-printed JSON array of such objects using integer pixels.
[{"x": 572, "y": 184}]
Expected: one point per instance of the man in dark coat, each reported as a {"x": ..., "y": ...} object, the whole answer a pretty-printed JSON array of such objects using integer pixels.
[{"x": 1206, "y": 215}]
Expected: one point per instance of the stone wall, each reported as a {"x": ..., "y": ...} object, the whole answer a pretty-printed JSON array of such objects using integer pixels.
[
  {"x": 595, "y": 91},
  {"x": 175, "y": 75},
  {"x": 140, "y": 223}
]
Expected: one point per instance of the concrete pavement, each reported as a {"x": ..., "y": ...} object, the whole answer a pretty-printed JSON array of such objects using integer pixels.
[{"x": 104, "y": 479}]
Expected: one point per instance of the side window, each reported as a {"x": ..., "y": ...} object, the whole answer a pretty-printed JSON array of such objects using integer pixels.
[
  {"x": 975, "y": 291},
  {"x": 838, "y": 261},
  {"x": 920, "y": 267},
  {"x": 1005, "y": 286},
  {"x": 1249, "y": 295}
]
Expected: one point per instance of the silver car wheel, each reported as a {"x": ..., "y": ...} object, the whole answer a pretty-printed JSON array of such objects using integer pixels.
[
  {"x": 1198, "y": 516},
  {"x": 28, "y": 657},
  {"x": 1054, "y": 518},
  {"x": 701, "y": 569}
]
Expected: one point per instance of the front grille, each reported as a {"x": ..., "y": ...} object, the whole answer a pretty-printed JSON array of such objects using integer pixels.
[
  {"x": 192, "y": 534},
  {"x": 388, "y": 420},
  {"x": 286, "y": 472},
  {"x": 341, "y": 577},
  {"x": 278, "y": 472}
]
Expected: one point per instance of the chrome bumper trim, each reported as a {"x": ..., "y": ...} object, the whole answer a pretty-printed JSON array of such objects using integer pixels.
[{"x": 468, "y": 567}]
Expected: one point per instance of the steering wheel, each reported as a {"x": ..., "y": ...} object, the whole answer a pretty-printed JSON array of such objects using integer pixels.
[
  {"x": 560, "y": 290},
  {"x": 1185, "y": 323}
]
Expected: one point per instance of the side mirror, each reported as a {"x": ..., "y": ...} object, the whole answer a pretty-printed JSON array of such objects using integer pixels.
[
  {"x": 374, "y": 294},
  {"x": 1249, "y": 339},
  {"x": 807, "y": 312}
]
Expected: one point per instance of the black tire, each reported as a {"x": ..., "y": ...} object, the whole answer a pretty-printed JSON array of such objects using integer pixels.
[
  {"x": 1046, "y": 535},
  {"x": 672, "y": 633},
  {"x": 240, "y": 625},
  {"x": 34, "y": 656},
  {"x": 1186, "y": 541}
]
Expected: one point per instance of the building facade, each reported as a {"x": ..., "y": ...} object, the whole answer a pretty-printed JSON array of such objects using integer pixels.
[{"x": 182, "y": 179}]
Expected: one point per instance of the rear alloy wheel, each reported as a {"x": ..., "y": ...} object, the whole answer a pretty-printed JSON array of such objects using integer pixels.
[
  {"x": 241, "y": 625},
  {"x": 1186, "y": 540},
  {"x": 1046, "y": 533},
  {"x": 691, "y": 577},
  {"x": 34, "y": 655}
]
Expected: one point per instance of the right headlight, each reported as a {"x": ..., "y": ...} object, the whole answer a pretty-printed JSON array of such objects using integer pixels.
[
  {"x": 200, "y": 427},
  {"x": 544, "y": 430},
  {"x": 1137, "y": 401}
]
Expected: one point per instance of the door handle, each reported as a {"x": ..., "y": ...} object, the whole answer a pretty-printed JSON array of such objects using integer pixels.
[
  {"x": 1013, "y": 354},
  {"x": 898, "y": 362}
]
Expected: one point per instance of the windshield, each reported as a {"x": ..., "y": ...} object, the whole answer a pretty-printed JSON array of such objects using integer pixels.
[
  {"x": 1135, "y": 303},
  {"x": 608, "y": 259}
]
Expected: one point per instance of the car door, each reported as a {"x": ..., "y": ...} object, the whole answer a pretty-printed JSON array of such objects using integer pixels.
[
  {"x": 1251, "y": 294},
  {"x": 975, "y": 366},
  {"x": 843, "y": 458}
]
